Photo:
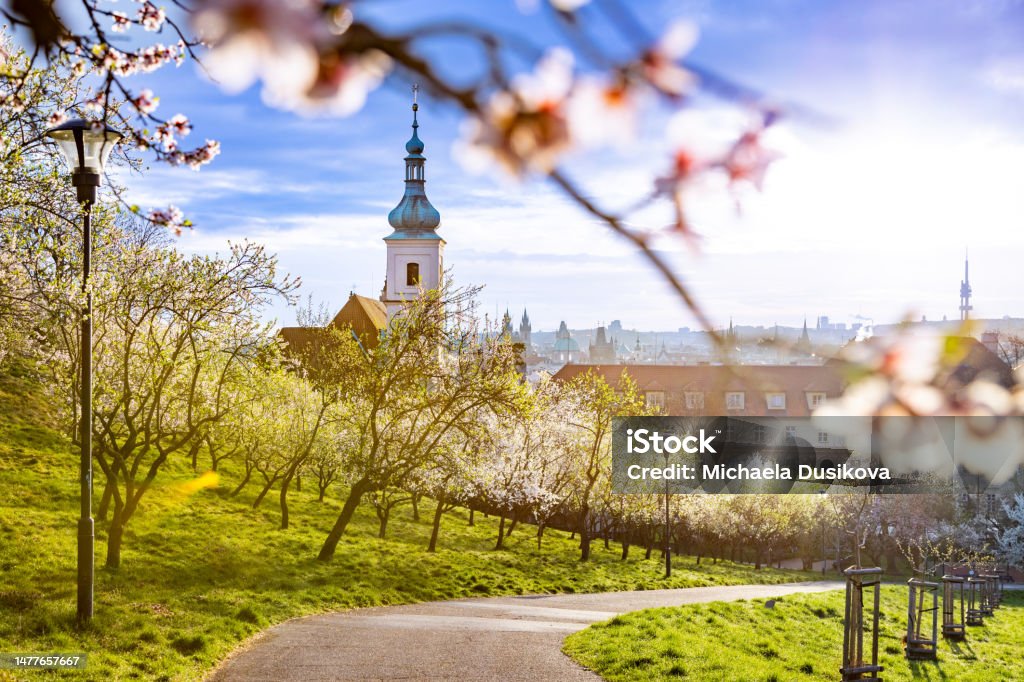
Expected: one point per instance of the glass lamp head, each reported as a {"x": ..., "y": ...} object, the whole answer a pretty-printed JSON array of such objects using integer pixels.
[{"x": 85, "y": 145}]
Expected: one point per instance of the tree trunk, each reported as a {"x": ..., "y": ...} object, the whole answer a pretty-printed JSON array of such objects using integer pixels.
[
  {"x": 584, "y": 536},
  {"x": 245, "y": 482},
  {"x": 650, "y": 550},
  {"x": 625, "y": 551},
  {"x": 540, "y": 534},
  {"x": 194, "y": 452},
  {"x": 263, "y": 493},
  {"x": 323, "y": 491},
  {"x": 284, "y": 501},
  {"x": 415, "y": 508},
  {"x": 501, "y": 535},
  {"x": 115, "y": 535},
  {"x": 432, "y": 547},
  {"x": 511, "y": 527},
  {"x": 108, "y": 494},
  {"x": 298, "y": 483},
  {"x": 471, "y": 516},
  {"x": 351, "y": 502},
  {"x": 383, "y": 516},
  {"x": 606, "y": 541}
]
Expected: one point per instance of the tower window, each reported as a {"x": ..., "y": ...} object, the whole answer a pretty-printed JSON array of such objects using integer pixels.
[{"x": 412, "y": 274}]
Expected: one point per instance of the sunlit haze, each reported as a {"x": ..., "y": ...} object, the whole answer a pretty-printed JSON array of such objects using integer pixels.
[{"x": 902, "y": 152}]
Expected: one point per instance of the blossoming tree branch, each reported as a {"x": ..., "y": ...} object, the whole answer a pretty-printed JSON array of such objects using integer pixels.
[{"x": 325, "y": 56}]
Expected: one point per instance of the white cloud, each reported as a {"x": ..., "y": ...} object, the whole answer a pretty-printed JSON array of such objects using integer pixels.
[{"x": 1006, "y": 75}]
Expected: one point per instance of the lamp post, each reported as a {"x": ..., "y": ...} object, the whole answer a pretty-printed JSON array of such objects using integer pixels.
[
  {"x": 85, "y": 147},
  {"x": 668, "y": 527},
  {"x": 824, "y": 561}
]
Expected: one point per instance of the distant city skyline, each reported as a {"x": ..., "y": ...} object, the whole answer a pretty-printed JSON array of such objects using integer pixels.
[{"x": 867, "y": 215}]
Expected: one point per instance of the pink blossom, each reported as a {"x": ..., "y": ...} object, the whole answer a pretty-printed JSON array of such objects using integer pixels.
[
  {"x": 661, "y": 66},
  {"x": 155, "y": 56},
  {"x": 748, "y": 160},
  {"x": 151, "y": 17},
  {"x": 340, "y": 85},
  {"x": 121, "y": 22},
  {"x": 170, "y": 217},
  {"x": 179, "y": 125},
  {"x": 145, "y": 102},
  {"x": 292, "y": 46},
  {"x": 203, "y": 155},
  {"x": 275, "y": 40},
  {"x": 94, "y": 104},
  {"x": 526, "y": 128},
  {"x": 56, "y": 118},
  {"x": 603, "y": 112}
]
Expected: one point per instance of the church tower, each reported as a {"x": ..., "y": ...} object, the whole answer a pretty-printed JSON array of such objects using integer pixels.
[
  {"x": 415, "y": 251},
  {"x": 526, "y": 330}
]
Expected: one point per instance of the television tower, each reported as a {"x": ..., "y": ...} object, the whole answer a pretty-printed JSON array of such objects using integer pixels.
[{"x": 965, "y": 293}]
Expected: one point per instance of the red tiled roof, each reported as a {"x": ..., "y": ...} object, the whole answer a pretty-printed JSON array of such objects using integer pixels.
[{"x": 796, "y": 381}]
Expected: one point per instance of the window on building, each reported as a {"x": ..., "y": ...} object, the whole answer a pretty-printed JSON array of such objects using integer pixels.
[
  {"x": 815, "y": 398},
  {"x": 734, "y": 400},
  {"x": 776, "y": 401},
  {"x": 790, "y": 432},
  {"x": 412, "y": 274},
  {"x": 822, "y": 437},
  {"x": 760, "y": 433},
  {"x": 655, "y": 399},
  {"x": 694, "y": 400}
]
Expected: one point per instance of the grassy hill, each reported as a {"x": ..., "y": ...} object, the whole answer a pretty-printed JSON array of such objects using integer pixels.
[
  {"x": 800, "y": 639},
  {"x": 202, "y": 571}
]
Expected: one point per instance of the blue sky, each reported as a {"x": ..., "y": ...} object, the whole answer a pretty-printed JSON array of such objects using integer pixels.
[{"x": 866, "y": 214}]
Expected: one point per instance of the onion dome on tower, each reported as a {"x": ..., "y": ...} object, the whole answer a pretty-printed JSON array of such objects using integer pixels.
[{"x": 414, "y": 217}]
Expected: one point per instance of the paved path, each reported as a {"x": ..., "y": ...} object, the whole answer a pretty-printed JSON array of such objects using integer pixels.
[{"x": 499, "y": 638}]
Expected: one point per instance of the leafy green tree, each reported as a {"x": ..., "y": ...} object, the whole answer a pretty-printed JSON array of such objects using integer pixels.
[
  {"x": 172, "y": 334},
  {"x": 590, "y": 403},
  {"x": 434, "y": 375}
]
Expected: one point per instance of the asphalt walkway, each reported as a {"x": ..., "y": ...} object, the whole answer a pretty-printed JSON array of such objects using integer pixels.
[{"x": 498, "y": 638}]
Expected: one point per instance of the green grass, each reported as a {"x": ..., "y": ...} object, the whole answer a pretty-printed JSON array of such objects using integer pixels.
[
  {"x": 201, "y": 573},
  {"x": 800, "y": 639}
]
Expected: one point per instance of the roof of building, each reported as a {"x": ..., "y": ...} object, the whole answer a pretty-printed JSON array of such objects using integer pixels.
[
  {"x": 358, "y": 308},
  {"x": 366, "y": 317},
  {"x": 756, "y": 381},
  {"x": 714, "y": 381}
]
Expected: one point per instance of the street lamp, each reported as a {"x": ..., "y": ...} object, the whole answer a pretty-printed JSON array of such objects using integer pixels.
[
  {"x": 85, "y": 146},
  {"x": 824, "y": 561},
  {"x": 668, "y": 527}
]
